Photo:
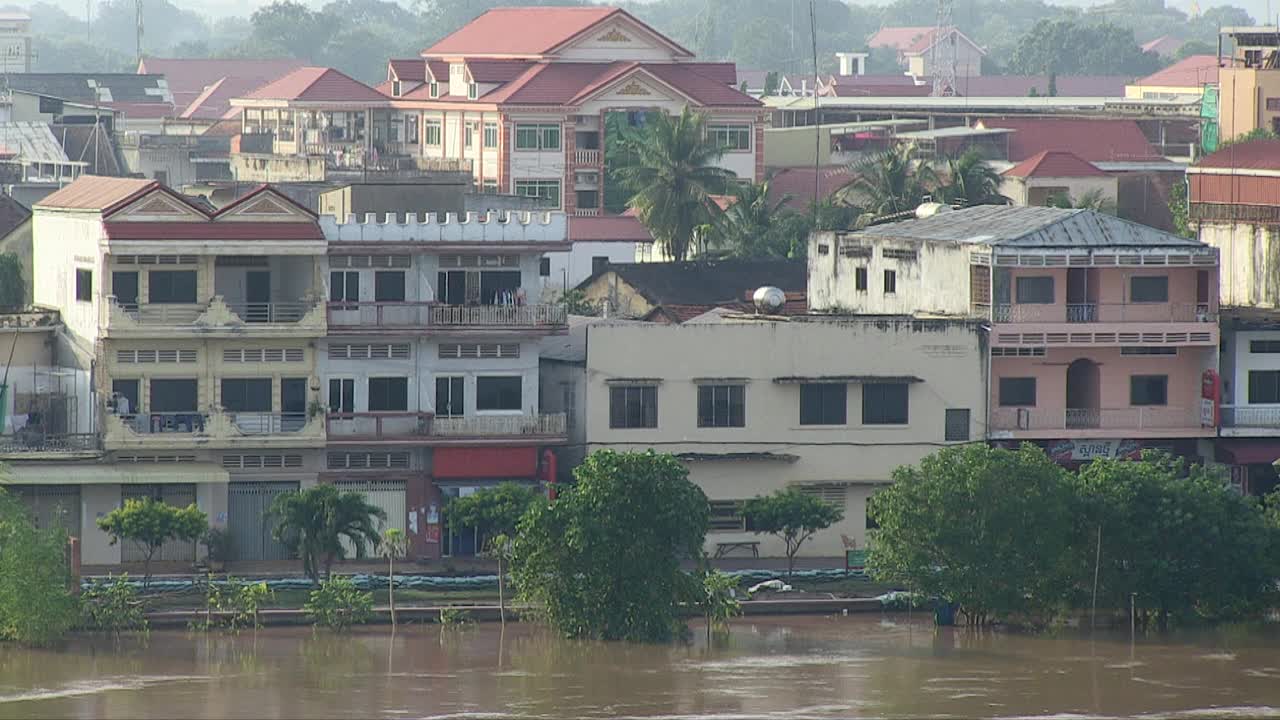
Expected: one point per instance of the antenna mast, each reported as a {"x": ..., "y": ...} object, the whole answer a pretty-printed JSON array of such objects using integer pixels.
[
  {"x": 942, "y": 54},
  {"x": 138, "y": 40}
]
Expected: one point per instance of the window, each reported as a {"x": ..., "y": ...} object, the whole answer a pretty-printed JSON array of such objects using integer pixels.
[
  {"x": 171, "y": 286},
  {"x": 890, "y": 282},
  {"x": 1149, "y": 390},
  {"x": 473, "y": 91},
  {"x": 396, "y": 88},
  {"x": 1264, "y": 387},
  {"x": 344, "y": 286},
  {"x": 824, "y": 404},
  {"x": 498, "y": 393},
  {"x": 884, "y": 403},
  {"x": 733, "y": 138},
  {"x": 342, "y": 395},
  {"x": 956, "y": 425},
  {"x": 1149, "y": 289},
  {"x": 174, "y": 396},
  {"x": 411, "y": 129},
  {"x": 489, "y": 186},
  {"x": 722, "y": 406},
  {"x": 726, "y": 516},
  {"x": 1260, "y": 347},
  {"x": 388, "y": 286},
  {"x": 544, "y": 267},
  {"x": 388, "y": 394},
  {"x": 84, "y": 285},
  {"x": 126, "y": 394},
  {"x": 599, "y": 263},
  {"x": 431, "y": 132},
  {"x": 1036, "y": 290},
  {"x": 433, "y": 89},
  {"x": 491, "y": 135},
  {"x": 450, "y": 401},
  {"x": 246, "y": 394},
  {"x": 633, "y": 407},
  {"x": 468, "y": 135},
  {"x": 1017, "y": 392},
  {"x": 548, "y": 190},
  {"x": 531, "y": 136},
  {"x": 860, "y": 279},
  {"x": 1141, "y": 350}
]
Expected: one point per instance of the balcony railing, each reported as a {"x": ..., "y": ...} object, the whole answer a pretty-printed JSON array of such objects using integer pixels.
[
  {"x": 404, "y": 426},
  {"x": 30, "y": 441},
  {"x": 156, "y": 423},
  {"x": 216, "y": 312},
  {"x": 1250, "y": 416},
  {"x": 586, "y": 212},
  {"x": 265, "y": 423},
  {"x": 163, "y": 314},
  {"x": 1104, "y": 313},
  {"x": 271, "y": 312},
  {"x": 586, "y": 157},
  {"x": 427, "y": 315},
  {"x": 1131, "y": 418}
]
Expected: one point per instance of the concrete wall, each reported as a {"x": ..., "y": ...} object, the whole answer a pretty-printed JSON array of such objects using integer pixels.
[
  {"x": 63, "y": 243},
  {"x": 1242, "y": 102},
  {"x": 1023, "y": 191},
  {"x": 562, "y": 388},
  {"x": 1250, "y": 262},
  {"x": 936, "y": 282},
  {"x": 568, "y": 269},
  {"x": 395, "y": 198},
  {"x": 1237, "y": 361},
  {"x": 95, "y": 545},
  {"x": 515, "y": 227},
  {"x": 18, "y": 242},
  {"x": 946, "y": 357}
]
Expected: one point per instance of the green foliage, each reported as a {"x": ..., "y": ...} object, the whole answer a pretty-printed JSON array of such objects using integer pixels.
[
  {"x": 986, "y": 528},
  {"x": 36, "y": 605},
  {"x": 603, "y": 559},
  {"x": 970, "y": 179},
  {"x": 889, "y": 182},
  {"x": 575, "y": 302},
  {"x": 455, "y": 617},
  {"x": 756, "y": 227},
  {"x": 1093, "y": 199},
  {"x": 719, "y": 605},
  {"x": 12, "y": 290},
  {"x": 1073, "y": 47},
  {"x": 237, "y": 604},
  {"x": 112, "y": 605},
  {"x": 151, "y": 523},
  {"x": 337, "y": 604},
  {"x": 771, "y": 82},
  {"x": 313, "y": 522},
  {"x": 792, "y": 515},
  {"x": 218, "y": 543},
  {"x": 671, "y": 178},
  {"x": 1180, "y": 210},
  {"x": 497, "y": 509},
  {"x": 1254, "y": 134}
]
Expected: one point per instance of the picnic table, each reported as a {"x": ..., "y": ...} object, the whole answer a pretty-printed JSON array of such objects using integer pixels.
[{"x": 725, "y": 548}]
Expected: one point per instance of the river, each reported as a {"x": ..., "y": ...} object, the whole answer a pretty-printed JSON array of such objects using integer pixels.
[{"x": 810, "y": 667}]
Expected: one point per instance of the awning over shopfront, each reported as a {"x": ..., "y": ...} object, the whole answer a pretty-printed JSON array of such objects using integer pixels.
[
  {"x": 485, "y": 462},
  {"x": 120, "y": 474},
  {"x": 1248, "y": 451}
]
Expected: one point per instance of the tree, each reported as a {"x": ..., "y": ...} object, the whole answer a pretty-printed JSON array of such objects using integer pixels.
[
  {"x": 394, "y": 544},
  {"x": 13, "y": 292},
  {"x": 1195, "y": 47},
  {"x": 671, "y": 178},
  {"x": 1179, "y": 210},
  {"x": 494, "y": 513},
  {"x": 1093, "y": 199},
  {"x": 1069, "y": 46},
  {"x": 603, "y": 559},
  {"x": 970, "y": 180},
  {"x": 771, "y": 82},
  {"x": 151, "y": 523},
  {"x": 791, "y": 514},
  {"x": 986, "y": 528},
  {"x": 291, "y": 26},
  {"x": 312, "y": 523},
  {"x": 889, "y": 182},
  {"x": 755, "y": 226},
  {"x": 36, "y": 604}
]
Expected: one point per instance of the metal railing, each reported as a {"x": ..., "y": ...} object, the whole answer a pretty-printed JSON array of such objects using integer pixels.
[
  {"x": 155, "y": 423},
  {"x": 163, "y": 314},
  {"x": 1256, "y": 416},
  {"x": 424, "y": 314},
  {"x": 1131, "y": 418},
  {"x": 32, "y": 441},
  {"x": 418, "y": 425},
  {"x": 586, "y": 157},
  {"x": 486, "y": 425},
  {"x": 265, "y": 423},
  {"x": 1103, "y": 313},
  {"x": 586, "y": 212},
  {"x": 270, "y": 312}
]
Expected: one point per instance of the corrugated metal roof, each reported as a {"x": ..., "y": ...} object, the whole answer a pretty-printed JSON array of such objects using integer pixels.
[
  {"x": 33, "y": 141},
  {"x": 1249, "y": 155},
  {"x": 92, "y": 192},
  {"x": 1033, "y": 227}
]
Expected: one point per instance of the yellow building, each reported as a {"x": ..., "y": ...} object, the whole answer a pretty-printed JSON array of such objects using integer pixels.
[
  {"x": 1249, "y": 84},
  {"x": 1183, "y": 79}
]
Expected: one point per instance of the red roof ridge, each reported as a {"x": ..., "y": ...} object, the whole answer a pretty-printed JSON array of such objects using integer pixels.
[
  {"x": 530, "y": 36},
  {"x": 260, "y": 189},
  {"x": 1055, "y": 163}
]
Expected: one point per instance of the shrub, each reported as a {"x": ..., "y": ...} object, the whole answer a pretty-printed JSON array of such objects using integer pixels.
[
  {"x": 113, "y": 605},
  {"x": 338, "y": 604},
  {"x": 237, "y": 604},
  {"x": 36, "y": 605}
]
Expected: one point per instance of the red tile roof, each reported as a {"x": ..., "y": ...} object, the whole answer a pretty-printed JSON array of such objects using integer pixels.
[
  {"x": 530, "y": 31},
  {"x": 439, "y": 70},
  {"x": 263, "y": 188},
  {"x": 611, "y": 228},
  {"x": 1054, "y": 164},
  {"x": 902, "y": 39},
  {"x": 1163, "y": 45},
  {"x": 1092, "y": 139},
  {"x": 317, "y": 84},
  {"x": 201, "y": 88},
  {"x": 1250, "y": 155},
  {"x": 698, "y": 86},
  {"x": 721, "y": 72},
  {"x": 1192, "y": 71},
  {"x": 93, "y": 192},
  {"x": 162, "y": 231},
  {"x": 411, "y": 69},
  {"x": 794, "y": 186},
  {"x": 871, "y": 90},
  {"x": 496, "y": 71}
]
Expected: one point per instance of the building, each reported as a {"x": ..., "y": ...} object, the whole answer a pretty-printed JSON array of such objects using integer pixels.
[
  {"x": 15, "y": 42},
  {"x": 202, "y": 88},
  {"x": 1249, "y": 83},
  {"x": 523, "y": 98},
  {"x": 1103, "y": 333},
  {"x": 596, "y": 242},
  {"x": 15, "y": 237},
  {"x": 1250, "y": 416},
  {"x": 750, "y": 408},
  {"x": 1186, "y": 78},
  {"x": 914, "y": 46},
  {"x": 677, "y": 291},
  {"x": 1053, "y": 176}
]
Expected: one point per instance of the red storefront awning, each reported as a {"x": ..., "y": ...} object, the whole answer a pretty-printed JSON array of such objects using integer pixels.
[
  {"x": 1248, "y": 451},
  {"x": 485, "y": 462}
]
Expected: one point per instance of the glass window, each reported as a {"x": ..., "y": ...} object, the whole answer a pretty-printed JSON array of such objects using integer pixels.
[
  {"x": 431, "y": 132},
  {"x": 733, "y": 138},
  {"x": 246, "y": 394},
  {"x": 722, "y": 406},
  {"x": 544, "y": 267},
  {"x": 1149, "y": 390},
  {"x": 526, "y": 137},
  {"x": 884, "y": 403},
  {"x": 344, "y": 286},
  {"x": 171, "y": 286},
  {"x": 174, "y": 396},
  {"x": 388, "y": 394},
  {"x": 433, "y": 89},
  {"x": 1264, "y": 387},
  {"x": 84, "y": 285},
  {"x": 890, "y": 282},
  {"x": 1017, "y": 392},
  {"x": 531, "y": 136},
  {"x": 498, "y": 393},
  {"x": 548, "y": 190},
  {"x": 450, "y": 401},
  {"x": 860, "y": 279},
  {"x": 388, "y": 286},
  {"x": 1036, "y": 290},
  {"x": 1258, "y": 347},
  {"x": 468, "y": 135},
  {"x": 957, "y": 425},
  {"x": 491, "y": 135},
  {"x": 489, "y": 186},
  {"x": 342, "y": 395},
  {"x": 473, "y": 91},
  {"x": 1149, "y": 288},
  {"x": 633, "y": 407},
  {"x": 824, "y": 404},
  {"x": 411, "y": 129}
]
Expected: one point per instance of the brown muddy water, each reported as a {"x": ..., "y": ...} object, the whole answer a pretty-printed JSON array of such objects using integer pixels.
[{"x": 813, "y": 667}]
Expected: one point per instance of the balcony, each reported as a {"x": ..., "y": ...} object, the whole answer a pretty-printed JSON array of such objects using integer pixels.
[
  {"x": 1105, "y": 313},
  {"x": 586, "y": 157},
  {"x": 27, "y": 444},
  {"x": 1102, "y": 324},
  {"x": 215, "y": 430},
  {"x": 1250, "y": 420},
  {"x": 216, "y": 317},
  {"x": 424, "y": 428},
  {"x": 1146, "y": 421},
  {"x": 376, "y": 317}
]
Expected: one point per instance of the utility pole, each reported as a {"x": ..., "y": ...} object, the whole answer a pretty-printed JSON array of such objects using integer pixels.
[
  {"x": 942, "y": 55},
  {"x": 138, "y": 12},
  {"x": 88, "y": 17}
]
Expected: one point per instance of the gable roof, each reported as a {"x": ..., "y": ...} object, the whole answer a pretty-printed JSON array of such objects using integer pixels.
[
  {"x": 1093, "y": 139},
  {"x": 1191, "y": 71},
  {"x": 105, "y": 88},
  {"x": 567, "y": 83},
  {"x": 414, "y": 69},
  {"x": 263, "y": 189},
  {"x": 705, "y": 283},
  {"x": 531, "y": 31},
  {"x": 202, "y": 88},
  {"x": 496, "y": 71},
  {"x": 1163, "y": 45},
  {"x": 12, "y": 214},
  {"x": 317, "y": 84},
  {"x": 94, "y": 192},
  {"x": 1054, "y": 164},
  {"x": 914, "y": 40},
  {"x": 1249, "y": 155}
]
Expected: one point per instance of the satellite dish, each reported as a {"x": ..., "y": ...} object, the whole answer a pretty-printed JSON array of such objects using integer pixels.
[
  {"x": 930, "y": 209},
  {"x": 769, "y": 299}
]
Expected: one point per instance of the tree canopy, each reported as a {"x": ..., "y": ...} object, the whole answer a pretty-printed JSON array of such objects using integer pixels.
[
  {"x": 1073, "y": 47},
  {"x": 314, "y": 522},
  {"x": 492, "y": 510},
  {"x": 151, "y": 523},
  {"x": 793, "y": 515}
]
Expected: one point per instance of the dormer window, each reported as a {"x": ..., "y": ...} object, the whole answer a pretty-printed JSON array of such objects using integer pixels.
[
  {"x": 473, "y": 91},
  {"x": 433, "y": 89},
  {"x": 396, "y": 88}
]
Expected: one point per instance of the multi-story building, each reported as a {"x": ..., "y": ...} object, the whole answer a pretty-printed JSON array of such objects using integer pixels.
[
  {"x": 527, "y": 99},
  {"x": 1249, "y": 83},
  {"x": 1103, "y": 333},
  {"x": 203, "y": 327},
  {"x": 430, "y": 367},
  {"x": 751, "y": 408}
]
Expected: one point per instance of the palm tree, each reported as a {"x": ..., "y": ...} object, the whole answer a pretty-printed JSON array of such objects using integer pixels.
[
  {"x": 892, "y": 181},
  {"x": 753, "y": 225},
  {"x": 1093, "y": 199},
  {"x": 971, "y": 181},
  {"x": 671, "y": 178},
  {"x": 313, "y": 523}
]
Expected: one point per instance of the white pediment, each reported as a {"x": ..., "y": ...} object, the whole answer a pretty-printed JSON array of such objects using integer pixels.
[
  {"x": 266, "y": 206},
  {"x": 619, "y": 38},
  {"x": 638, "y": 88},
  {"x": 158, "y": 205}
]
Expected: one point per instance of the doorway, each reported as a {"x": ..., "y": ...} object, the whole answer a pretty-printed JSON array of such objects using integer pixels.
[
  {"x": 257, "y": 295},
  {"x": 1082, "y": 295},
  {"x": 1084, "y": 394},
  {"x": 124, "y": 285},
  {"x": 293, "y": 403}
]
